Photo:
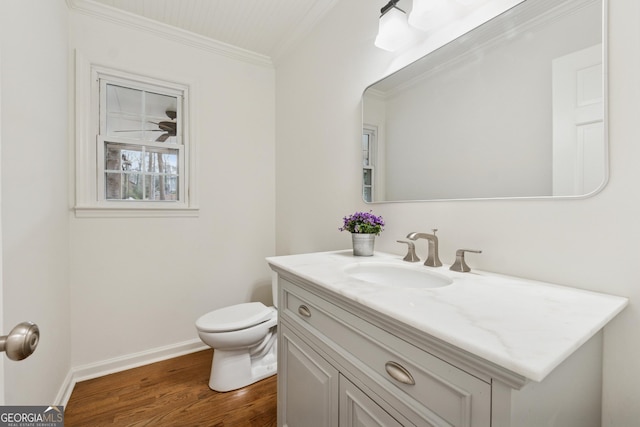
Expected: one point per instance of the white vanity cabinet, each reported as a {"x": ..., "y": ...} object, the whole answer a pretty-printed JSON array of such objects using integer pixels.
[
  {"x": 357, "y": 409},
  {"x": 487, "y": 351},
  {"x": 313, "y": 391},
  {"x": 307, "y": 383},
  {"x": 338, "y": 369}
]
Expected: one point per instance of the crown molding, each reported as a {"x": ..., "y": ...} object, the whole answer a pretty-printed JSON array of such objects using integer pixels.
[{"x": 120, "y": 17}]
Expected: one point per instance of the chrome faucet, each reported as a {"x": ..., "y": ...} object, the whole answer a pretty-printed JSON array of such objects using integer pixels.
[{"x": 433, "y": 260}]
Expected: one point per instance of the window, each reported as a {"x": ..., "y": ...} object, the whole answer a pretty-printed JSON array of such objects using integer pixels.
[
  {"x": 368, "y": 162},
  {"x": 140, "y": 144},
  {"x": 133, "y": 158}
]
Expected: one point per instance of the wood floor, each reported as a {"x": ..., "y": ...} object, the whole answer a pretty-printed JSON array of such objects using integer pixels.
[{"x": 170, "y": 393}]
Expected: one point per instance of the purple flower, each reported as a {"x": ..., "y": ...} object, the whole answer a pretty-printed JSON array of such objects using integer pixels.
[{"x": 363, "y": 223}]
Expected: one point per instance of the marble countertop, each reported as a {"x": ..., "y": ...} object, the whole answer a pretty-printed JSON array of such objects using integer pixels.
[{"x": 525, "y": 326}]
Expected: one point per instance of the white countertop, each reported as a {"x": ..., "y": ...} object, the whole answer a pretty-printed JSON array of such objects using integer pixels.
[{"x": 525, "y": 326}]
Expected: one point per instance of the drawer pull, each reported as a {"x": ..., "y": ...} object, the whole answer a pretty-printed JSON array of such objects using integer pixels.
[
  {"x": 399, "y": 373},
  {"x": 304, "y": 311}
]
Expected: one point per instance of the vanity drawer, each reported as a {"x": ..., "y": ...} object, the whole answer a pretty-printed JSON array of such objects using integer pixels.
[
  {"x": 400, "y": 373},
  {"x": 457, "y": 397}
]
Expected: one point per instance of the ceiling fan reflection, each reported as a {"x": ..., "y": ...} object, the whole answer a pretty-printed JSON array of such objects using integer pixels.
[{"x": 168, "y": 127}]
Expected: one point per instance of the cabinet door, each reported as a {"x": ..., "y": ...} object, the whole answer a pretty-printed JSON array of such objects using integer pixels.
[
  {"x": 359, "y": 410},
  {"x": 307, "y": 384}
]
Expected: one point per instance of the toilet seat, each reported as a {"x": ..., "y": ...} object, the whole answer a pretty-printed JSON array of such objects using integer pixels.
[{"x": 235, "y": 317}]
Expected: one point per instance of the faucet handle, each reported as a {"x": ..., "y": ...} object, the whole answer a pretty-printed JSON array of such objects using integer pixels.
[
  {"x": 460, "y": 264},
  {"x": 411, "y": 251}
]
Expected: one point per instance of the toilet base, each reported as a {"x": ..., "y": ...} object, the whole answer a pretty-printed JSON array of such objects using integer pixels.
[{"x": 234, "y": 369}]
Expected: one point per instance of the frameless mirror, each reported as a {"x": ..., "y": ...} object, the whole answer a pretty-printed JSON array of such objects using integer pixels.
[{"x": 513, "y": 109}]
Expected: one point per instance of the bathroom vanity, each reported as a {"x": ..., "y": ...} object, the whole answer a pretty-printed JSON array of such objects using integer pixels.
[{"x": 377, "y": 341}]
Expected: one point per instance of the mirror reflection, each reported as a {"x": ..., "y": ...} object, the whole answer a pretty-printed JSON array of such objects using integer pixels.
[{"x": 515, "y": 108}]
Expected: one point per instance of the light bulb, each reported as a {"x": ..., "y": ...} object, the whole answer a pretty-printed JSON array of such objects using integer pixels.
[{"x": 393, "y": 30}]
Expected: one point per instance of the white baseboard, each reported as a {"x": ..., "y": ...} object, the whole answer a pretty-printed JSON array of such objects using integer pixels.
[{"x": 122, "y": 363}]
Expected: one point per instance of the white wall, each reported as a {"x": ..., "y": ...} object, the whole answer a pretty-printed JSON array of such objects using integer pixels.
[
  {"x": 590, "y": 244},
  {"x": 34, "y": 193},
  {"x": 140, "y": 283}
]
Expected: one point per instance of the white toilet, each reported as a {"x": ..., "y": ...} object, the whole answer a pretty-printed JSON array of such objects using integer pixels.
[{"x": 243, "y": 338}]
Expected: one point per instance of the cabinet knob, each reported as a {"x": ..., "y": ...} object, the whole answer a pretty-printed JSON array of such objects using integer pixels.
[
  {"x": 399, "y": 373},
  {"x": 304, "y": 311}
]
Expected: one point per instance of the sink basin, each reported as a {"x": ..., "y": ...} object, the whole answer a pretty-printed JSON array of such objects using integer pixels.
[{"x": 397, "y": 276}]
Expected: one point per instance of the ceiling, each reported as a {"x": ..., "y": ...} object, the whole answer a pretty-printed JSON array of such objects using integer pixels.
[{"x": 266, "y": 27}]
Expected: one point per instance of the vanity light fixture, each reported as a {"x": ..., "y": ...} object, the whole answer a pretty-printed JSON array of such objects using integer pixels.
[{"x": 393, "y": 29}]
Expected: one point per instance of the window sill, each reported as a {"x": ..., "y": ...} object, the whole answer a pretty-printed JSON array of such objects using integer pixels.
[{"x": 136, "y": 212}]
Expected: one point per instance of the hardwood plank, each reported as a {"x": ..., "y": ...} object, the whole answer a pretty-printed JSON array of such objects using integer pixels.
[{"x": 173, "y": 392}]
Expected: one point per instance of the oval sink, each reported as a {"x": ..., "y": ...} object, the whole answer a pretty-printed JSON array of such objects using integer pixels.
[{"x": 397, "y": 275}]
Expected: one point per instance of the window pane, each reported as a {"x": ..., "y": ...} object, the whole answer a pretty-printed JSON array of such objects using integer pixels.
[
  {"x": 171, "y": 188},
  {"x": 366, "y": 194},
  {"x": 161, "y": 187},
  {"x": 366, "y": 149},
  {"x": 157, "y": 105},
  {"x": 365, "y": 142},
  {"x": 124, "y": 111},
  {"x": 161, "y": 111},
  {"x": 366, "y": 174},
  {"x": 124, "y": 186},
  {"x": 123, "y": 157},
  {"x": 124, "y": 100},
  {"x": 113, "y": 185},
  {"x": 161, "y": 160}
]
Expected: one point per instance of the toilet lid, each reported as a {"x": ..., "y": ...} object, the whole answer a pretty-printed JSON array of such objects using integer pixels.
[{"x": 234, "y": 317}]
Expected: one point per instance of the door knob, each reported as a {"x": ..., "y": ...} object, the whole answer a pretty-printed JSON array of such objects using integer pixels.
[{"x": 21, "y": 341}]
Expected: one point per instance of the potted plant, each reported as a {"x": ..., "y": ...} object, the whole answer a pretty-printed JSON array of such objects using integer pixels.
[{"x": 364, "y": 227}]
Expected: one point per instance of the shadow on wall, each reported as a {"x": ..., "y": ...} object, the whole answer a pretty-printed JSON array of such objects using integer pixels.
[{"x": 262, "y": 293}]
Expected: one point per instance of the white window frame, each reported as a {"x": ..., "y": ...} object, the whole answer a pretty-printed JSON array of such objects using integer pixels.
[
  {"x": 372, "y": 133},
  {"x": 89, "y": 148}
]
